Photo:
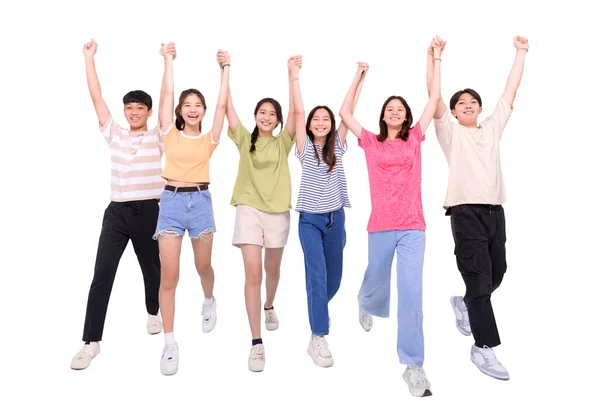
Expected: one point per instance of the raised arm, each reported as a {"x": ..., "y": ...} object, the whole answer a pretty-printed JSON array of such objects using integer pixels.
[
  {"x": 441, "y": 107},
  {"x": 347, "y": 110},
  {"x": 294, "y": 64},
  {"x": 516, "y": 73},
  {"x": 232, "y": 117},
  {"x": 290, "y": 125},
  {"x": 434, "y": 91},
  {"x": 343, "y": 129},
  {"x": 89, "y": 50},
  {"x": 223, "y": 60},
  {"x": 167, "y": 101}
]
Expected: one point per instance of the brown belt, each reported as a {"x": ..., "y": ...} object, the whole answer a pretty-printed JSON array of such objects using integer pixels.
[{"x": 198, "y": 188}]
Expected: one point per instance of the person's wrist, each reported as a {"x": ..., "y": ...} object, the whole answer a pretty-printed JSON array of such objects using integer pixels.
[{"x": 225, "y": 65}]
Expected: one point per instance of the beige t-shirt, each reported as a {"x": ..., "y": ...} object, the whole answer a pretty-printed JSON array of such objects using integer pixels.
[{"x": 473, "y": 155}]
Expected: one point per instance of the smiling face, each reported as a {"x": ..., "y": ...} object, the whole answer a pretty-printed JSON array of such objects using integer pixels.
[
  {"x": 394, "y": 114},
  {"x": 137, "y": 115},
  {"x": 320, "y": 124},
  {"x": 266, "y": 117},
  {"x": 467, "y": 109},
  {"x": 192, "y": 110}
]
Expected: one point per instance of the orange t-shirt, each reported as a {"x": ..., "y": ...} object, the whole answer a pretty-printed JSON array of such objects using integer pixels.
[{"x": 187, "y": 157}]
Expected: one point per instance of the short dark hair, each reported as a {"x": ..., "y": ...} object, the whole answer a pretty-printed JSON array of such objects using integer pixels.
[
  {"x": 457, "y": 95},
  {"x": 138, "y": 96}
]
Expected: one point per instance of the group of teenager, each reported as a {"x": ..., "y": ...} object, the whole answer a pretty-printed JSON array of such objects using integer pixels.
[{"x": 154, "y": 207}]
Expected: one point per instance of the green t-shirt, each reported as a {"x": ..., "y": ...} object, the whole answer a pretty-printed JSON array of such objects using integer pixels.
[{"x": 263, "y": 179}]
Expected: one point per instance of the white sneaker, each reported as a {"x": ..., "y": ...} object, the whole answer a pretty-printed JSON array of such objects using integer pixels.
[
  {"x": 485, "y": 359},
  {"x": 256, "y": 361},
  {"x": 417, "y": 381},
  {"x": 83, "y": 359},
  {"x": 271, "y": 321},
  {"x": 318, "y": 350},
  {"x": 462, "y": 316},
  {"x": 154, "y": 324},
  {"x": 169, "y": 362},
  {"x": 209, "y": 316}
]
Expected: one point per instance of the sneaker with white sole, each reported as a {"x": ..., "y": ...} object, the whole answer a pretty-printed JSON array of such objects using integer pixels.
[
  {"x": 461, "y": 314},
  {"x": 417, "y": 381},
  {"x": 169, "y": 361},
  {"x": 256, "y": 361},
  {"x": 271, "y": 321},
  {"x": 154, "y": 324},
  {"x": 209, "y": 315},
  {"x": 318, "y": 350},
  {"x": 83, "y": 359},
  {"x": 485, "y": 359}
]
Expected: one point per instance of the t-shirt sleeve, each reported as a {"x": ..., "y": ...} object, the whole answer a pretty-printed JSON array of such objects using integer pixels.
[
  {"x": 240, "y": 135},
  {"x": 288, "y": 143},
  {"x": 159, "y": 139},
  {"x": 417, "y": 132},
  {"x": 367, "y": 139},
  {"x": 497, "y": 121},
  {"x": 338, "y": 143},
  {"x": 170, "y": 128},
  {"x": 302, "y": 156},
  {"x": 110, "y": 130},
  {"x": 443, "y": 128}
]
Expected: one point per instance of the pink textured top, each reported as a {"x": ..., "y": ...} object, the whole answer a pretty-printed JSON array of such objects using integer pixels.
[{"x": 394, "y": 168}]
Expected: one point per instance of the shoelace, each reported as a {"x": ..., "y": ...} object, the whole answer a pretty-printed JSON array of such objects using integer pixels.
[
  {"x": 418, "y": 377},
  {"x": 489, "y": 356},
  {"x": 170, "y": 351},
  {"x": 322, "y": 346},
  {"x": 81, "y": 353},
  {"x": 257, "y": 353},
  {"x": 270, "y": 318},
  {"x": 364, "y": 319}
]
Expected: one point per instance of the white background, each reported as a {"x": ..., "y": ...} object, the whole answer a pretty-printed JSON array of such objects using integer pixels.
[{"x": 57, "y": 184}]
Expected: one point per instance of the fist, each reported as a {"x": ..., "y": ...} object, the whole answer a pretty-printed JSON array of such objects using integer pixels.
[
  {"x": 521, "y": 42},
  {"x": 89, "y": 49},
  {"x": 363, "y": 67},
  {"x": 223, "y": 57}
]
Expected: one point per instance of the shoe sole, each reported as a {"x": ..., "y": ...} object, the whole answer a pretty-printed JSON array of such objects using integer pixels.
[
  {"x": 416, "y": 392},
  {"x": 317, "y": 364},
  {"x": 491, "y": 374},
  {"x": 168, "y": 373},
  {"x": 271, "y": 327},
  {"x": 256, "y": 370},
  {"x": 460, "y": 329}
]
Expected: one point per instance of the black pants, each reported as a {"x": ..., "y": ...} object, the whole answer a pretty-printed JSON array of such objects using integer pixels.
[
  {"x": 479, "y": 237},
  {"x": 135, "y": 220}
]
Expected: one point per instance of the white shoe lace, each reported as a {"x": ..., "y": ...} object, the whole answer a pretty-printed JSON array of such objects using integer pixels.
[
  {"x": 154, "y": 320},
  {"x": 257, "y": 353},
  {"x": 366, "y": 320},
  {"x": 322, "y": 346},
  {"x": 418, "y": 378},
  {"x": 170, "y": 352},
  {"x": 489, "y": 356},
  {"x": 270, "y": 318},
  {"x": 81, "y": 353}
]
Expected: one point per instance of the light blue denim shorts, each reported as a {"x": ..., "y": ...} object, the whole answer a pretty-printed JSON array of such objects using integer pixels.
[{"x": 190, "y": 210}]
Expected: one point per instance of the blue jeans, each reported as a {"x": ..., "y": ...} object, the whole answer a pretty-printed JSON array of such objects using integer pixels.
[
  {"x": 323, "y": 237},
  {"x": 374, "y": 295}
]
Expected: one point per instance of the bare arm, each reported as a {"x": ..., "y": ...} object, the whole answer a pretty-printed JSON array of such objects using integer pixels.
[
  {"x": 347, "y": 110},
  {"x": 441, "y": 107},
  {"x": 290, "y": 125},
  {"x": 167, "y": 102},
  {"x": 343, "y": 130},
  {"x": 516, "y": 73},
  {"x": 294, "y": 64},
  {"x": 434, "y": 90},
  {"x": 223, "y": 60},
  {"x": 170, "y": 49},
  {"x": 89, "y": 50}
]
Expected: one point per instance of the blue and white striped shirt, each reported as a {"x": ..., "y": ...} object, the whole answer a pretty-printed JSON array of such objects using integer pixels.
[{"x": 321, "y": 191}]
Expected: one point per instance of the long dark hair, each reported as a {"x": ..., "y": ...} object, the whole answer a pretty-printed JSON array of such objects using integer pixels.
[
  {"x": 179, "y": 122},
  {"x": 278, "y": 114},
  {"x": 383, "y": 129},
  {"x": 329, "y": 148}
]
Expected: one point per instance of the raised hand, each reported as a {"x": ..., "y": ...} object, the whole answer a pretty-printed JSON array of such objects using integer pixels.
[
  {"x": 363, "y": 67},
  {"x": 168, "y": 49},
  {"x": 89, "y": 49},
  {"x": 223, "y": 57},
  {"x": 294, "y": 65},
  {"x": 436, "y": 42},
  {"x": 521, "y": 42}
]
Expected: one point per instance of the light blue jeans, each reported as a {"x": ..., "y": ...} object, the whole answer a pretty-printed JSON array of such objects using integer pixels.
[{"x": 374, "y": 294}]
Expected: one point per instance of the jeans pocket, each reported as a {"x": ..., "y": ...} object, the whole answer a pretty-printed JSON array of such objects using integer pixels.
[
  {"x": 167, "y": 196},
  {"x": 466, "y": 258}
]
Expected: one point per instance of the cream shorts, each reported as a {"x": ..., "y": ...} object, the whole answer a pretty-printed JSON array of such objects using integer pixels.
[{"x": 265, "y": 229}]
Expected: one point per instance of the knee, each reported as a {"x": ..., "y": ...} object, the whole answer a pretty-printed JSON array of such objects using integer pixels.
[
  {"x": 273, "y": 272},
  {"x": 254, "y": 277},
  {"x": 168, "y": 280},
  {"x": 203, "y": 268}
]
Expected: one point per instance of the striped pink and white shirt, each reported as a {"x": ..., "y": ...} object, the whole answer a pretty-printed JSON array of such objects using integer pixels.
[{"x": 135, "y": 162}]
